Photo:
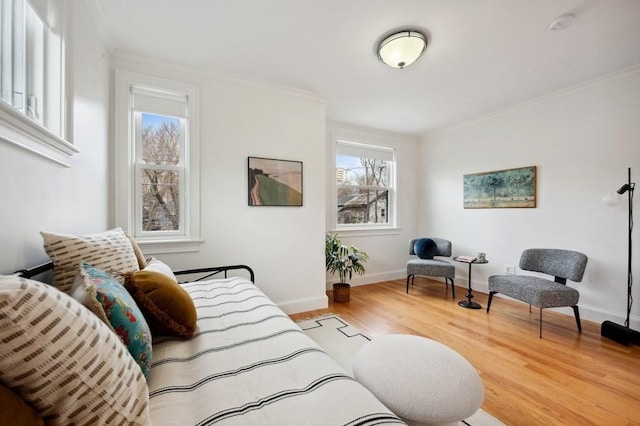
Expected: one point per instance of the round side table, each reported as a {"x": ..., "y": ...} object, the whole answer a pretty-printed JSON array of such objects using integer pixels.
[{"x": 469, "y": 303}]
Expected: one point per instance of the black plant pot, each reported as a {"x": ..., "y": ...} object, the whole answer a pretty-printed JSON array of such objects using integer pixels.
[{"x": 341, "y": 292}]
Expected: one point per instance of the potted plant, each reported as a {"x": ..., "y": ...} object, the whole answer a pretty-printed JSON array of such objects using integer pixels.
[{"x": 345, "y": 260}]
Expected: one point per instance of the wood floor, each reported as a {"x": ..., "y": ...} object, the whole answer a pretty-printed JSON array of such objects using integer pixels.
[{"x": 565, "y": 378}]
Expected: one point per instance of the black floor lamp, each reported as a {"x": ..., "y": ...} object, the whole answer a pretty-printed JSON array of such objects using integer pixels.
[{"x": 623, "y": 333}]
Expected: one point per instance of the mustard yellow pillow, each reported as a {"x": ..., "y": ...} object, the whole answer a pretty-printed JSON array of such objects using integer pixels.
[
  {"x": 15, "y": 411},
  {"x": 167, "y": 307}
]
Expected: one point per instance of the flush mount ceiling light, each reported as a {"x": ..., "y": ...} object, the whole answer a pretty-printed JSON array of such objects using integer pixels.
[{"x": 402, "y": 48}]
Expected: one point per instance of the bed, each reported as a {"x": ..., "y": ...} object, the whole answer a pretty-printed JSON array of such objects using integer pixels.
[{"x": 248, "y": 363}]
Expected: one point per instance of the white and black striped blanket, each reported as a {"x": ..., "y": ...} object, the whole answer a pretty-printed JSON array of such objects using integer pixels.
[{"x": 249, "y": 364}]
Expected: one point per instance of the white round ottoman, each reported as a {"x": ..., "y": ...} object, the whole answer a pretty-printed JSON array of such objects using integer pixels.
[{"x": 419, "y": 379}]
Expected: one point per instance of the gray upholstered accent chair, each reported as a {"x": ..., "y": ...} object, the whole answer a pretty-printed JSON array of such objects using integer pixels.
[
  {"x": 432, "y": 267},
  {"x": 563, "y": 265}
]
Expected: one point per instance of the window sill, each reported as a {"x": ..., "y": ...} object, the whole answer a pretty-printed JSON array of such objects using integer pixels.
[
  {"x": 19, "y": 130},
  {"x": 169, "y": 246},
  {"x": 367, "y": 231}
]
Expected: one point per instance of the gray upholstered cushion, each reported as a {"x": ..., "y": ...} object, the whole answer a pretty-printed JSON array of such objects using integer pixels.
[
  {"x": 431, "y": 268},
  {"x": 559, "y": 263},
  {"x": 534, "y": 290}
]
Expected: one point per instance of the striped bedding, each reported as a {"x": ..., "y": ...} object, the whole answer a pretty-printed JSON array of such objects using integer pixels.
[{"x": 249, "y": 364}]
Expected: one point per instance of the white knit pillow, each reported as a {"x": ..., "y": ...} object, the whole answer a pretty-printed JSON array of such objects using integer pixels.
[
  {"x": 110, "y": 251},
  {"x": 155, "y": 265},
  {"x": 63, "y": 361}
]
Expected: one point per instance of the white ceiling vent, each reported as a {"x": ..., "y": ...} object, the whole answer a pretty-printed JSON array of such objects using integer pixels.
[{"x": 561, "y": 22}]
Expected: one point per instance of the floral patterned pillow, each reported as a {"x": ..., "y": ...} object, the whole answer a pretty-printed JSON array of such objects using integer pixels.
[{"x": 110, "y": 301}]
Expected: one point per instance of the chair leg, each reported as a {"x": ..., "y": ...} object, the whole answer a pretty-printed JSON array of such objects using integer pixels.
[
  {"x": 491, "y": 293},
  {"x": 577, "y": 314},
  {"x": 411, "y": 278},
  {"x": 540, "y": 321}
]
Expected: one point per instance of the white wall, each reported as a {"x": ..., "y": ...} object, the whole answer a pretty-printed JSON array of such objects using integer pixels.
[
  {"x": 284, "y": 245},
  {"x": 388, "y": 250},
  {"x": 39, "y": 194},
  {"x": 582, "y": 141}
]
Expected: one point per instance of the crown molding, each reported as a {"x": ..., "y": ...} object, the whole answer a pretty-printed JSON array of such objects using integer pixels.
[
  {"x": 119, "y": 60},
  {"x": 580, "y": 87}
]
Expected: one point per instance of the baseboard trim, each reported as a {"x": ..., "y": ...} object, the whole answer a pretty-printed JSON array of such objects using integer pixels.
[
  {"x": 371, "y": 278},
  {"x": 596, "y": 314},
  {"x": 587, "y": 312},
  {"x": 303, "y": 305}
]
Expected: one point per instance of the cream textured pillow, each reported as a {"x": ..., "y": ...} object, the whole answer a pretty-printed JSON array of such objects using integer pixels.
[
  {"x": 64, "y": 362},
  {"x": 110, "y": 251}
]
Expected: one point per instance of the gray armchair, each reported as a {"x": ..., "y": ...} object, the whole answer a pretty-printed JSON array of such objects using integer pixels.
[
  {"x": 563, "y": 265},
  {"x": 432, "y": 267}
]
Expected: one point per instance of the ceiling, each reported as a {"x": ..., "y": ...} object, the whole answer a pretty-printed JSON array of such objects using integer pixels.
[{"x": 483, "y": 56}]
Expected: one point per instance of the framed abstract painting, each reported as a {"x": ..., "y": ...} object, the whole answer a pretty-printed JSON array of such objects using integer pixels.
[
  {"x": 274, "y": 182},
  {"x": 511, "y": 188}
]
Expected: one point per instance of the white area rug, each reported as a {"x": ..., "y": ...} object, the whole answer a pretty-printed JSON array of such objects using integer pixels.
[{"x": 342, "y": 341}]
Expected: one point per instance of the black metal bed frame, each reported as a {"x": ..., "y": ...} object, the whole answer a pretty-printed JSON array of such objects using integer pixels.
[{"x": 209, "y": 272}]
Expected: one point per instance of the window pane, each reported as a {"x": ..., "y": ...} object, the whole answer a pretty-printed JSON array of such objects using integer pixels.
[
  {"x": 364, "y": 184},
  {"x": 32, "y": 61},
  {"x": 161, "y": 137},
  {"x": 356, "y": 205},
  {"x": 160, "y": 200},
  {"x": 361, "y": 171},
  {"x": 35, "y": 65},
  {"x": 13, "y": 51}
]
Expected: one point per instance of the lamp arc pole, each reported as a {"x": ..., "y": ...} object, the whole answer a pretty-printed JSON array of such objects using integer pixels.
[
  {"x": 630, "y": 187},
  {"x": 625, "y": 334}
]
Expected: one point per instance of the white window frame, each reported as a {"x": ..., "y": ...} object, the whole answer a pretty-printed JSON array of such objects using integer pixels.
[
  {"x": 363, "y": 144},
  {"x": 128, "y": 173},
  {"x": 47, "y": 135}
]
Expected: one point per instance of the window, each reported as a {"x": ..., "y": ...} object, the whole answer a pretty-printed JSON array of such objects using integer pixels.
[
  {"x": 157, "y": 197},
  {"x": 32, "y": 70},
  {"x": 364, "y": 185}
]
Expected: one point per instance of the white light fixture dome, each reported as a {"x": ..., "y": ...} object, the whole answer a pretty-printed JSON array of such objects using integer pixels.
[{"x": 402, "y": 48}]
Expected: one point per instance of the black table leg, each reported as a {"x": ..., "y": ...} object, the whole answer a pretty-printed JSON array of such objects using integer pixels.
[{"x": 468, "y": 303}]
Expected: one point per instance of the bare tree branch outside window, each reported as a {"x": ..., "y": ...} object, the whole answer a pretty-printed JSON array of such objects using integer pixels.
[
  {"x": 363, "y": 194},
  {"x": 161, "y": 139}
]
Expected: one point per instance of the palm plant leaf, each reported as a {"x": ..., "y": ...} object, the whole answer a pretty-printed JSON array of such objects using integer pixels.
[{"x": 345, "y": 260}]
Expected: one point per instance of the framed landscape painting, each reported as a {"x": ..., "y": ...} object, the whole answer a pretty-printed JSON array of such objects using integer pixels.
[
  {"x": 512, "y": 188},
  {"x": 274, "y": 182}
]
